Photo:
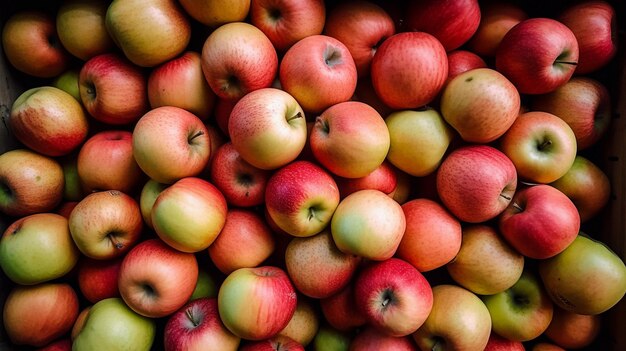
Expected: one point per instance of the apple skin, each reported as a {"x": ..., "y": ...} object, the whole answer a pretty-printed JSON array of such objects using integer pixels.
[
  {"x": 262, "y": 293},
  {"x": 459, "y": 320},
  {"x": 542, "y": 146},
  {"x": 31, "y": 44},
  {"x": 238, "y": 58},
  {"x": 155, "y": 279},
  {"x": 546, "y": 346},
  {"x": 170, "y": 143},
  {"x": 432, "y": 237},
  {"x": 268, "y": 128},
  {"x": 61, "y": 344},
  {"x": 461, "y": 60},
  {"x": 301, "y": 198},
  {"x": 113, "y": 89},
  {"x": 304, "y": 323},
  {"x": 405, "y": 58},
  {"x": 31, "y": 182},
  {"x": 105, "y": 161},
  {"x": 81, "y": 29},
  {"x": 49, "y": 121},
  {"x": 369, "y": 224},
  {"x": 318, "y": 71},
  {"x": 189, "y": 214},
  {"x": 594, "y": 24},
  {"x": 329, "y": 338},
  {"x": 500, "y": 343},
  {"x": 367, "y": 18},
  {"x": 383, "y": 178},
  {"x": 496, "y": 18},
  {"x": 316, "y": 267},
  {"x": 195, "y": 326},
  {"x": 540, "y": 221},
  {"x": 350, "y": 139},
  {"x": 571, "y": 330},
  {"x": 341, "y": 312},
  {"x": 587, "y": 185},
  {"x": 275, "y": 343},
  {"x": 538, "y": 55},
  {"x": 98, "y": 329},
  {"x": 480, "y": 104},
  {"x": 589, "y": 261},
  {"x": 372, "y": 339},
  {"x": 476, "y": 182},
  {"x": 97, "y": 279},
  {"x": 148, "y": 195},
  {"x": 394, "y": 296},
  {"x": 106, "y": 224},
  {"x": 68, "y": 82},
  {"x": 39, "y": 314},
  {"x": 37, "y": 248},
  {"x": 453, "y": 23},
  {"x": 157, "y": 31},
  {"x": 485, "y": 264},
  {"x": 242, "y": 228},
  {"x": 214, "y": 13},
  {"x": 584, "y": 103},
  {"x": 286, "y": 22}
]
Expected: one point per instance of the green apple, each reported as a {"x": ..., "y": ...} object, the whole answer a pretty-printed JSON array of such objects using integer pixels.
[
  {"x": 73, "y": 189},
  {"x": 37, "y": 248},
  {"x": 522, "y": 312},
  {"x": 68, "y": 82},
  {"x": 111, "y": 325},
  {"x": 149, "y": 193},
  {"x": 206, "y": 286},
  {"x": 419, "y": 140},
  {"x": 586, "y": 278},
  {"x": 328, "y": 338}
]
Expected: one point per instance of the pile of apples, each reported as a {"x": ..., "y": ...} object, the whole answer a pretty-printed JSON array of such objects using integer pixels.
[{"x": 301, "y": 174}]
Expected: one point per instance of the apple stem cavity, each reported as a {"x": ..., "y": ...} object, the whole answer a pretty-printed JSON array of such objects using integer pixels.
[
  {"x": 544, "y": 145},
  {"x": 198, "y": 133},
  {"x": 439, "y": 345},
  {"x": 190, "y": 316},
  {"x": 297, "y": 115},
  {"x": 517, "y": 207},
  {"x": 506, "y": 197},
  {"x": 118, "y": 245},
  {"x": 332, "y": 57}
]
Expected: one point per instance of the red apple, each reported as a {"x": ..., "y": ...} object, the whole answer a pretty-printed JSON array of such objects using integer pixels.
[
  {"x": 383, "y": 178},
  {"x": 500, "y": 343},
  {"x": 372, "y": 339},
  {"x": 461, "y": 60},
  {"x": 97, "y": 279},
  {"x": 61, "y": 344},
  {"x": 275, "y": 343},
  {"x": 571, "y": 330},
  {"x": 340, "y": 310},
  {"x": 496, "y": 18}
]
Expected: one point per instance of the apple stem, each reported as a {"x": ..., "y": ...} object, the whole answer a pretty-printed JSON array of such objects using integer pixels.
[
  {"x": 545, "y": 144},
  {"x": 118, "y": 245},
  {"x": 506, "y": 197},
  {"x": 189, "y": 315},
  {"x": 385, "y": 302},
  {"x": 517, "y": 207},
  {"x": 311, "y": 213},
  {"x": 297, "y": 115},
  {"x": 573, "y": 63},
  {"x": 437, "y": 346}
]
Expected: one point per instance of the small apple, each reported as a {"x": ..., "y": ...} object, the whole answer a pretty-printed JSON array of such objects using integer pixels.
[
  {"x": 97, "y": 279},
  {"x": 371, "y": 338},
  {"x": 68, "y": 82},
  {"x": 572, "y": 330},
  {"x": 148, "y": 195},
  {"x": 328, "y": 338},
  {"x": 500, "y": 343},
  {"x": 81, "y": 29},
  {"x": 274, "y": 343},
  {"x": 304, "y": 323},
  {"x": 496, "y": 18},
  {"x": 214, "y": 13},
  {"x": 341, "y": 312}
]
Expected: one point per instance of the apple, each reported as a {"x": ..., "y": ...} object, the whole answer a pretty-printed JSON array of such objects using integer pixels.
[
  {"x": 148, "y": 195},
  {"x": 461, "y": 60},
  {"x": 540, "y": 221},
  {"x": 170, "y": 143},
  {"x": 383, "y": 178},
  {"x": 37, "y": 248},
  {"x": 318, "y": 71},
  {"x": 48, "y": 120},
  {"x": 500, "y": 343},
  {"x": 249, "y": 295},
  {"x": 572, "y": 330},
  {"x": 221, "y": 113},
  {"x": 157, "y": 31},
  {"x": 73, "y": 189},
  {"x": 459, "y": 320},
  {"x": 341, "y": 312},
  {"x": 242, "y": 228},
  {"x": 480, "y": 104},
  {"x": 106, "y": 224},
  {"x": 373, "y": 339},
  {"x": 268, "y": 128},
  {"x": 97, "y": 279},
  {"x": 366, "y": 93},
  {"x": 594, "y": 23},
  {"x": 350, "y": 139},
  {"x": 370, "y": 20},
  {"x": 538, "y": 55},
  {"x": 584, "y": 103},
  {"x": 541, "y": 145},
  {"x": 419, "y": 140},
  {"x": 369, "y": 224},
  {"x": 61, "y": 344},
  {"x": 394, "y": 296},
  {"x": 105, "y": 161},
  {"x": 214, "y": 13},
  {"x": 587, "y": 185},
  {"x": 81, "y": 29},
  {"x": 38, "y": 314},
  {"x": 546, "y": 346},
  {"x": 453, "y": 23},
  {"x": 197, "y": 325},
  {"x": 476, "y": 182},
  {"x": 31, "y": 44},
  {"x": 180, "y": 82},
  {"x": 304, "y": 323},
  {"x": 100, "y": 328},
  {"x": 521, "y": 312},
  {"x": 286, "y": 22},
  {"x": 30, "y": 182},
  {"x": 242, "y": 184},
  {"x": 406, "y": 58},
  {"x": 496, "y": 18},
  {"x": 155, "y": 280},
  {"x": 585, "y": 278},
  {"x": 328, "y": 338},
  {"x": 274, "y": 343},
  {"x": 68, "y": 82},
  {"x": 316, "y": 267},
  {"x": 65, "y": 208},
  {"x": 432, "y": 237},
  {"x": 238, "y": 58},
  {"x": 113, "y": 89}
]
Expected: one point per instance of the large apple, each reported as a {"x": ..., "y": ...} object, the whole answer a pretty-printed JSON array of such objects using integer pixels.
[
  {"x": 214, "y": 13},
  {"x": 350, "y": 139},
  {"x": 49, "y": 121},
  {"x": 476, "y": 182},
  {"x": 540, "y": 221},
  {"x": 81, "y": 29},
  {"x": 97, "y": 279},
  {"x": 37, "y": 248},
  {"x": 197, "y": 325},
  {"x": 148, "y": 33},
  {"x": 318, "y": 71}
]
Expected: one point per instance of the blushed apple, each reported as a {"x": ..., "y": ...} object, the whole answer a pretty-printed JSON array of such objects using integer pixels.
[
  {"x": 571, "y": 330},
  {"x": 371, "y": 338},
  {"x": 496, "y": 18},
  {"x": 97, "y": 279},
  {"x": 383, "y": 178},
  {"x": 341, "y": 312}
]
